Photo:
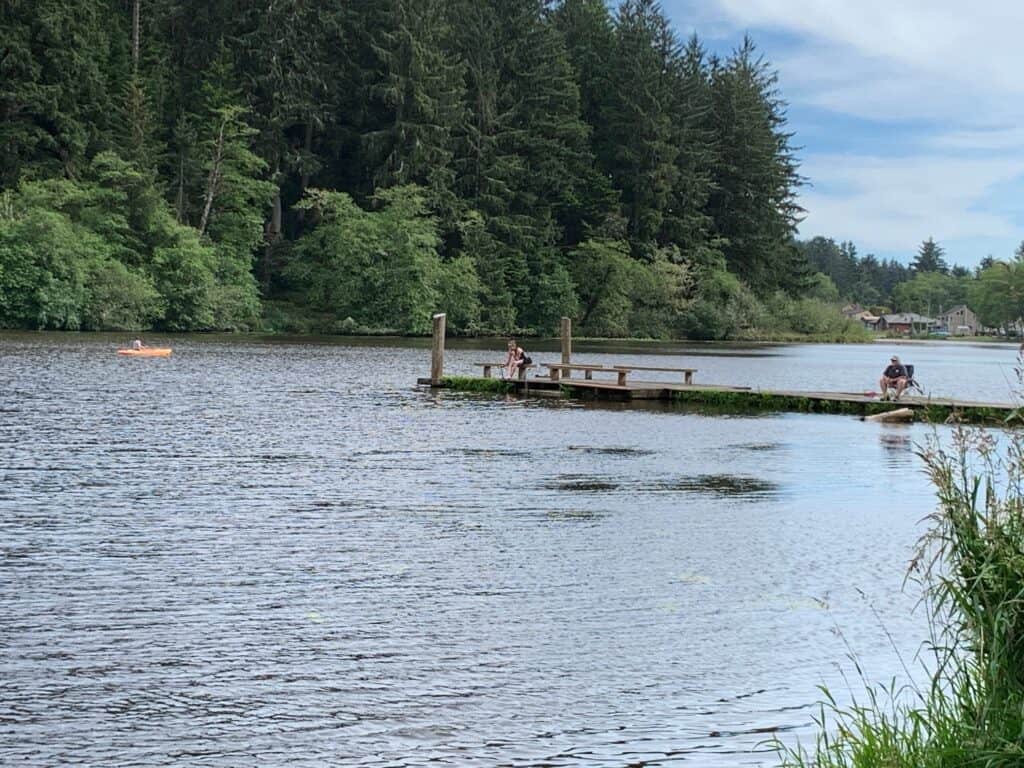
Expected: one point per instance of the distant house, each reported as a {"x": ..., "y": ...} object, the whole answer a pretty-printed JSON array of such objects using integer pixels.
[
  {"x": 852, "y": 310},
  {"x": 905, "y": 323},
  {"x": 867, "y": 319},
  {"x": 960, "y": 321}
]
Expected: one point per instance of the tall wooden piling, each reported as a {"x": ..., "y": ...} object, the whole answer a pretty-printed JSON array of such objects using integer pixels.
[
  {"x": 566, "y": 341},
  {"x": 437, "y": 356}
]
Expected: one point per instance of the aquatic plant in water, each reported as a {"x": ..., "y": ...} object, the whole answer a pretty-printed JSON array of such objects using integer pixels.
[{"x": 970, "y": 566}]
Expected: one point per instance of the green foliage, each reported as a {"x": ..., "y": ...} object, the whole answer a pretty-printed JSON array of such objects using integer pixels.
[
  {"x": 459, "y": 291},
  {"x": 473, "y": 384},
  {"x": 998, "y": 293},
  {"x": 602, "y": 272},
  {"x": 380, "y": 268},
  {"x": 59, "y": 264},
  {"x": 639, "y": 148},
  {"x": 118, "y": 298},
  {"x": 420, "y": 98},
  {"x": 106, "y": 253},
  {"x": 812, "y": 317},
  {"x": 929, "y": 293},
  {"x": 620, "y": 295},
  {"x": 722, "y": 307},
  {"x": 823, "y": 289},
  {"x": 57, "y": 84}
]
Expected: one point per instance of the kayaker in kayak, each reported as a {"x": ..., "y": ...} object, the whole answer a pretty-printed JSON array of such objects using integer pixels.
[{"x": 137, "y": 344}]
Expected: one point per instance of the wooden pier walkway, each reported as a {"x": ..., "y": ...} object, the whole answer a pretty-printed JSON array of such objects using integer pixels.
[
  {"x": 736, "y": 399},
  {"x": 560, "y": 382}
]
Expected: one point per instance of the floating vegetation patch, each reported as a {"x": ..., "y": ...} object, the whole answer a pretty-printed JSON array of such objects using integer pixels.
[
  {"x": 473, "y": 384},
  {"x": 611, "y": 450},
  {"x": 721, "y": 485},
  {"x": 575, "y": 515},
  {"x": 577, "y": 484},
  {"x": 496, "y": 452},
  {"x": 328, "y": 503}
]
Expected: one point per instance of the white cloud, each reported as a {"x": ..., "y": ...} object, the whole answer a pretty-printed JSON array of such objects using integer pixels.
[
  {"x": 892, "y": 204},
  {"x": 934, "y": 86},
  {"x": 964, "y": 43}
]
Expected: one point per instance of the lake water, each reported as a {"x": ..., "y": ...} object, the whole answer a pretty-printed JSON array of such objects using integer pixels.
[{"x": 283, "y": 553}]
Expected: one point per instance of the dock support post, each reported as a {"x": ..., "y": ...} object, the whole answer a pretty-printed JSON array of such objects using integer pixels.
[
  {"x": 437, "y": 356},
  {"x": 566, "y": 341}
]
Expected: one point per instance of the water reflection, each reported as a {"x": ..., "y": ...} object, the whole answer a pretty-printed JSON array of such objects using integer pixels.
[{"x": 898, "y": 445}]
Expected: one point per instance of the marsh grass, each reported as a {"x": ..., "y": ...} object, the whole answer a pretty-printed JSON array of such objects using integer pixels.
[{"x": 970, "y": 567}]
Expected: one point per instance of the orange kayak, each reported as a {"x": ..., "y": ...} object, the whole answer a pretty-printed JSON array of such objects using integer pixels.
[{"x": 147, "y": 352}]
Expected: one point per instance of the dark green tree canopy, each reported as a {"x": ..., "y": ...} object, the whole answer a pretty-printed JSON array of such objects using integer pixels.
[{"x": 537, "y": 144}]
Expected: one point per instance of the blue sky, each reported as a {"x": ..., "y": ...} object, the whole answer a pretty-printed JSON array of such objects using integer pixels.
[{"x": 909, "y": 113}]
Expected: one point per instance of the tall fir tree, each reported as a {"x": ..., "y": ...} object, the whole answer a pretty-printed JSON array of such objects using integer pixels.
[
  {"x": 753, "y": 202},
  {"x": 687, "y": 224},
  {"x": 57, "y": 100},
  {"x": 930, "y": 258},
  {"x": 418, "y": 96},
  {"x": 640, "y": 151}
]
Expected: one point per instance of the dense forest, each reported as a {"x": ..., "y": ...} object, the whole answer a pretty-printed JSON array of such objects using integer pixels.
[{"x": 350, "y": 166}]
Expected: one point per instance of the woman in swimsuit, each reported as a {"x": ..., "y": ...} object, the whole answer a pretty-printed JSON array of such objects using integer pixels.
[{"x": 515, "y": 358}]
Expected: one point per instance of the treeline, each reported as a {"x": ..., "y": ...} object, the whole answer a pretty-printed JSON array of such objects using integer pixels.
[
  {"x": 994, "y": 290},
  {"x": 347, "y": 165}
]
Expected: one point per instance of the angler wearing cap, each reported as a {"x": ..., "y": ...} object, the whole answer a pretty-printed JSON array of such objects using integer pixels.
[{"x": 895, "y": 376}]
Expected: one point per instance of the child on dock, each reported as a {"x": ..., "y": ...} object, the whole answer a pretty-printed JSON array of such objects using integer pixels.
[{"x": 516, "y": 357}]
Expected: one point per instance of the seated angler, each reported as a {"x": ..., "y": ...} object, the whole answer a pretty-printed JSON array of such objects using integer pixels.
[{"x": 894, "y": 376}]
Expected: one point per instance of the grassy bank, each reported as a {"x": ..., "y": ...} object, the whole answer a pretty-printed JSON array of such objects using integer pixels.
[{"x": 971, "y": 569}]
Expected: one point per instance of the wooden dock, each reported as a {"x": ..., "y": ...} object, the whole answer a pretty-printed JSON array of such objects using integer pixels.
[
  {"x": 731, "y": 399},
  {"x": 560, "y": 382}
]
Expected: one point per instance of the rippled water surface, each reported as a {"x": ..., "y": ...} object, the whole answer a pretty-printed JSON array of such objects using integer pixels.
[{"x": 271, "y": 553}]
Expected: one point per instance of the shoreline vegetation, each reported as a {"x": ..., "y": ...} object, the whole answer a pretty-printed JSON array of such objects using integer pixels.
[
  {"x": 288, "y": 319},
  {"x": 970, "y": 568}
]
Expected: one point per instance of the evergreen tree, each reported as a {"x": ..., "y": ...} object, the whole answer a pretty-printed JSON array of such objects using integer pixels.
[
  {"x": 419, "y": 97},
  {"x": 56, "y": 99},
  {"x": 686, "y": 223},
  {"x": 640, "y": 149},
  {"x": 756, "y": 177},
  {"x": 930, "y": 258},
  {"x": 524, "y": 160}
]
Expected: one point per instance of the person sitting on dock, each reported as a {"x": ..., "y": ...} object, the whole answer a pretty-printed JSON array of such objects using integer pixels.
[
  {"x": 137, "y": 344},
  {"x": 895, "y": 376},
  {"x": 516, "y": 357}
]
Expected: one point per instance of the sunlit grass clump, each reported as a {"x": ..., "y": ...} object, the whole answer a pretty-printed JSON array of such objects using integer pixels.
[{"x": 971, "y": 568}]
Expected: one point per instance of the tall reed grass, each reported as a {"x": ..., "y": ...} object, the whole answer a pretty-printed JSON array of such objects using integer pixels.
[{"x": 970, "y": 566}]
